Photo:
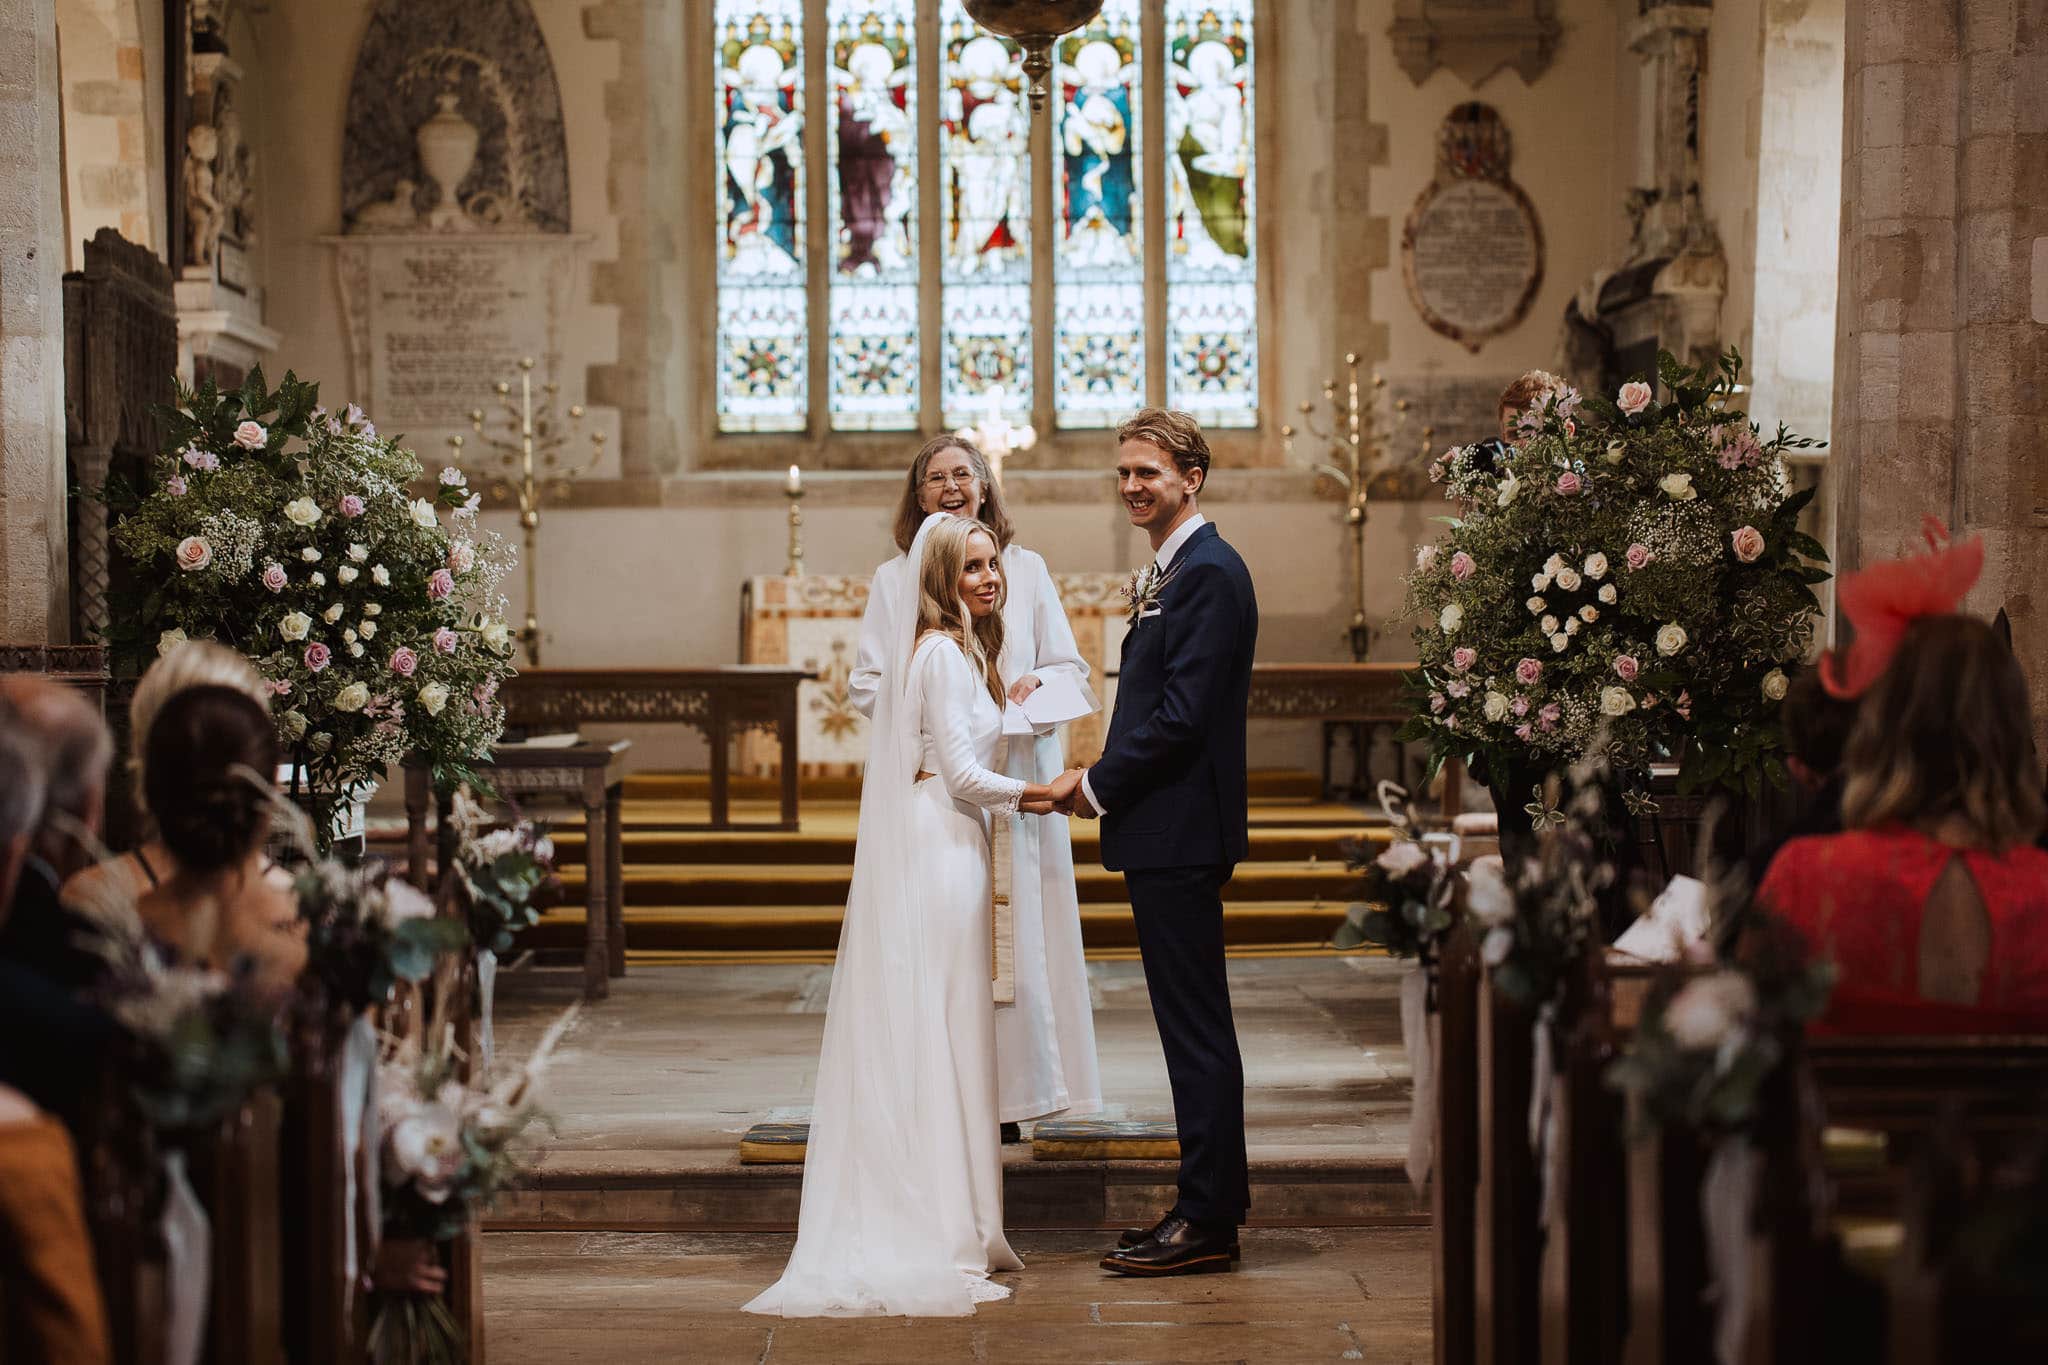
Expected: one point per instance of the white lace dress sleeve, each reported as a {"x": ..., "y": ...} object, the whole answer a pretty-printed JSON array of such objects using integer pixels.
[{"x": 961, "y": 737}]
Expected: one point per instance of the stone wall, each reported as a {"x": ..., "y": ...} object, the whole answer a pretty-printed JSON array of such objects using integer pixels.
[{"x": 113, "y": 78}]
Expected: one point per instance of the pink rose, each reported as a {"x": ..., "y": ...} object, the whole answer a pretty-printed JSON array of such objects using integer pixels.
[
  {"x": 175, "y": 485},
  {"x": 278, "y": 687},
  {"x": 1528, "y": 671},
  {"x": 1637, "y": 555},
  {"x": 351, "y": 505},
  {"x": 1462, "y": 566},
  {"x": 404, "y": 661},
  {"x": 317, "y": 656},
  {"x": 1569, "y": 483},
  {"x": 1463, "y": 657},
  {"x": 1549, "y": 716},
  {"x": 1436, "y": 702},
  {"x": 1634, "y": 397},
  {"x": 250, "y": 436},
  {"x": 1520, "y": 705},
  {"x": 274, "y": 577},
  {"x": 1627, "y": 666},
  {"x": 1749, "y": 544},
  {"x": 439, "y": 584},
  {"x": 1525, "y": 732},
  {"x": 201, "y": 459},
  {"x": 194, "y": 553},
  {"x": 444, "y": 640},
  {"x": 461, "y": 556},
  {"x": 1459, "y": 690}
]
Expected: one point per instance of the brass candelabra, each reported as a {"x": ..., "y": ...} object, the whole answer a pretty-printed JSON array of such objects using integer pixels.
[
  {"x": 531, "y": 468},
  {"x": 1357, "y": 447}
]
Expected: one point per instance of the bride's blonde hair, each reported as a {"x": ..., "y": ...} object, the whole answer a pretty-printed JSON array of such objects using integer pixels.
[{"x": 941, "y": 608}]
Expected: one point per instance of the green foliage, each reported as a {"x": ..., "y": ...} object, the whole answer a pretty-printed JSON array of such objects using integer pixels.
[{"x": 1637, "y": 575}]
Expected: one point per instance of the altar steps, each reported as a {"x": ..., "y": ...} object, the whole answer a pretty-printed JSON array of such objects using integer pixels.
[{"x": 767, "y": 891}]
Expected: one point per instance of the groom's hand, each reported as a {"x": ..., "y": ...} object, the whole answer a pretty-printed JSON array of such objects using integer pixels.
[
  {"x": 1076, "y": 802},
  {"x": 1063, "y": 789}
]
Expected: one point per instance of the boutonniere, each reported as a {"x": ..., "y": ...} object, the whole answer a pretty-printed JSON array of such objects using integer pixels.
[{"x": 1141, "y": 592}]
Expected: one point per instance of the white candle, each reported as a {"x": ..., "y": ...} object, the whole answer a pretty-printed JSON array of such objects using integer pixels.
[{"x": 796, "y": 480}]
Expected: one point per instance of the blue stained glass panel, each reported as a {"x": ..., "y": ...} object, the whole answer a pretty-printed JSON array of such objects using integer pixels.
[
  {"x": 1099, "y": 276},
  {"x": 873, "y": 191},
  {"x": 1211, "y": 262},
  {"x": 758, "y": 85},
  {"x": 985, "y": 278}
]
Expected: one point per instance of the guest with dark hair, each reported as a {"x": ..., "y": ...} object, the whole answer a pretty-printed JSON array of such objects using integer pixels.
[
  {"x": 208, "y": 786},
  {"x": 1817, "y": 725},
  {"x": 1933, "y": 902},
  {"x": 49, "y": 1298}
]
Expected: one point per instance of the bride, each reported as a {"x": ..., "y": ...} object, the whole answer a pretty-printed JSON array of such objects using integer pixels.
[{"x": 903, "y": 1198}]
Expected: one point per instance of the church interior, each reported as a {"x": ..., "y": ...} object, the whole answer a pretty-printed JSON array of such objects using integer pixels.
[{"x": 638, "y": 311}]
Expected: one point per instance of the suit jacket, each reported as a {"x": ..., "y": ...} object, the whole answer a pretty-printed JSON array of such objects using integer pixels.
[{"x": 1172, "y": 771}]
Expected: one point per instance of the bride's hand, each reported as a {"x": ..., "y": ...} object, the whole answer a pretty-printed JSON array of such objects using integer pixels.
[{"x": 1038, "y": 807}]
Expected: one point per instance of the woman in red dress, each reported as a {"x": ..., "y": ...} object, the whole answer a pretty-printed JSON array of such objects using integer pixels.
[{"x": 1933, "y": 902}]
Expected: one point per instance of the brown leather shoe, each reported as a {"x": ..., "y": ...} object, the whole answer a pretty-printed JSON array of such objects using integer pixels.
[
  {"x": 1130, "y": 1237},
  {"x": 1178, "y": 1247}
]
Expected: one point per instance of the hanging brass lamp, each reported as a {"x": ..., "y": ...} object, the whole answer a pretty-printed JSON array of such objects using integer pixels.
[{"x": 1033, "y": 25}]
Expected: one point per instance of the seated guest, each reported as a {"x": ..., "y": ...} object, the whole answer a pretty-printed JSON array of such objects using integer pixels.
[
  {"x": 49, "y": 1298},
  {"x": 207, "y": 783},
  {"x": 75, "y": 750},
  {"x": 1933, "y": 902},
  {"x": 195, "y": 663},
  {"x": 1817, "y": 727}
]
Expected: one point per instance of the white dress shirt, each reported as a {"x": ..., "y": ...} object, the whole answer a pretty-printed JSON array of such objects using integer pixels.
[{"x": 1168, "y": 548}]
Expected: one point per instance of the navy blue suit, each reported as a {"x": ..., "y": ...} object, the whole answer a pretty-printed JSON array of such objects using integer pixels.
[{"x": 1172, "y": 779}]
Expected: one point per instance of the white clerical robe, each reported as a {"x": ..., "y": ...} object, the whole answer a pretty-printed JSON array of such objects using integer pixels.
[{"x": 1045, "y": 1042}]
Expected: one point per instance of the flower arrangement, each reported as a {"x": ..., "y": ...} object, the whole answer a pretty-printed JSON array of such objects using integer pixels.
[
  {"x": 1536, "y": 918},
  {"x": 449, "y": 1145},
  {"x": 501, "y": 875},
  {"x": 292, "y": 534},
  {"x": 1708, "y": 1040},
  {"x": 1404, "y": 890},
  {"x": 1629, "y": 565},
  {"x": 366, "y": 931}
]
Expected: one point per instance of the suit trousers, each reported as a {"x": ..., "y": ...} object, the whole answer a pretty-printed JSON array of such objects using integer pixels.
[{"x": 1179, "y": 914}]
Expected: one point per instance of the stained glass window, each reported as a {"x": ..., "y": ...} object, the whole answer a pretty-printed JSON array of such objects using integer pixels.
[
  {"x": 1099, "y": 276},
  {"x": 1211, "y": 260},
  {"x": 873, "y": 146},
  {"x": 985, "y": 263},
  {"x": 761, "y": 301}
]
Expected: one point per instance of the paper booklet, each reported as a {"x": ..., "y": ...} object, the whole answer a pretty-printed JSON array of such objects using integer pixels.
[{"x": 1058, "y": 700}]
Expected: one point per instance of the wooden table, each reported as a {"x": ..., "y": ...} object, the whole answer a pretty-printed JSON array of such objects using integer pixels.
[
  {"x": 718, "y": 702},
  {"x": 591, "y": 776},
  {"x": 1360, "y": 698}
]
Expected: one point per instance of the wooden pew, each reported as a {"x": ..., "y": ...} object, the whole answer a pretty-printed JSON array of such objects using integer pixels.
[
  {"x": 235, "y": 1174},
  {"x": 1454, "y": 1174},
  {"x": 123, "y": 1203},
  {"x": 323, "y": 1322}
]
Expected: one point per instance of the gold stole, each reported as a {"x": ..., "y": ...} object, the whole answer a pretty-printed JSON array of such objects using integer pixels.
[{"x": 1002, "y": 917}]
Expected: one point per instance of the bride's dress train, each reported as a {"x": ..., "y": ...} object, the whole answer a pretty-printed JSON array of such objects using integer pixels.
[{"x": 902, "y": 1199}]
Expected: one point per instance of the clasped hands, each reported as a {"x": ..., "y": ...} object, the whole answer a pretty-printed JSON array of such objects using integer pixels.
[{"x": 1062, "y": 796}]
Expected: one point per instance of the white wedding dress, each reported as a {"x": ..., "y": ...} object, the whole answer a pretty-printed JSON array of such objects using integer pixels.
[{"x": 903, "y": 1199}]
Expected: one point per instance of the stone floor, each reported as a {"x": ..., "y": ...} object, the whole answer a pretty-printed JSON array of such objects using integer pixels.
[{"x": 623, "y": 1299}]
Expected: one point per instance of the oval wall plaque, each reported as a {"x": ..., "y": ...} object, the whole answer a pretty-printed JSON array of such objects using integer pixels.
[{"x": 1471, "y": 248}]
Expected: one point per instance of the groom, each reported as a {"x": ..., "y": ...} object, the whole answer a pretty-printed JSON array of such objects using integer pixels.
[{"x": 1170, "y": 791}]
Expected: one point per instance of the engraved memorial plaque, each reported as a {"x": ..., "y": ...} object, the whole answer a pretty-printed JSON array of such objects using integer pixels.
[{"x": 1471, "y": 249}]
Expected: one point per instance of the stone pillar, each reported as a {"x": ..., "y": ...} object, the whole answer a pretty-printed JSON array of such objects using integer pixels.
[
  {"x": 1941, "y": 390},
  {"x": 33, "y": 594}
]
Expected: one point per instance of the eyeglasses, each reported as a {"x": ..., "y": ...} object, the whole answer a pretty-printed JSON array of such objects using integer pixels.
[{"x": 936, "y": 481}]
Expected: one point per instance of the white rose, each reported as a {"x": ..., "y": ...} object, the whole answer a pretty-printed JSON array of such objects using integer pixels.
[
  {"x": 1608, "y": 594},
  {"x": 1569, "y": 580},
  {"x": 1554, "y": 565},
  {"x": 1425, "y": 558},
  {"x": 1398, "y": 859},
  {"x": 1709, "y": 1008},
  {"x": 310, "y": 555},
  {"x": 302, "y": 511},
  {"x": 1776, "y": 684},
  {"x": 169, "y": 641},
  {"x": 1541, "y": 582},
  {"x": 451, "y": 477},
  {"x": 1615, "y": 450},
  {"x": 349, "y": 635},
  {"x": 1496, "y": 706},
  {"x": 1559, "y": 643},
  {"x": 374, "y": 609},
  {"x": 380, "y": 575},
  {"x": 332, "y": 614},
  {"x": 355, "y": 651},
  {"x": 368, "y": 630},
  {"x": 1678, "y": 487},
  {"x": 423, "y": 514},
  {"x": 1495, "y": 947},
  {"x": 295, "y": 626},
  {"x": 294, "y": 723},
  {"x": 1571, "y": 625},
  {"x": 347, "y": 573},
  {"x": 1671, "y": 639},
  {"x": 1536, "y": 606},
  {"x": 462, "y": 556},
  {"x": 318, "y": 580},
  {"x": 358, "y": 553},
  {"x": 1508, "y": 489},
  {"x": 354, "y": 697},
  {"x": 497, "y": 635},
  {"x": 1596, "y": 566},
  {"x": 1548, "y": 625},
  {"x": 1450, "y": 617},
  {"x": 433, "y": 697},
  {"x": 404, "y": 901},
  {"x": 1486, "y": 892},
  {"x": 1616, "y": 701},
  {"x": 1589, "y": 614}
]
